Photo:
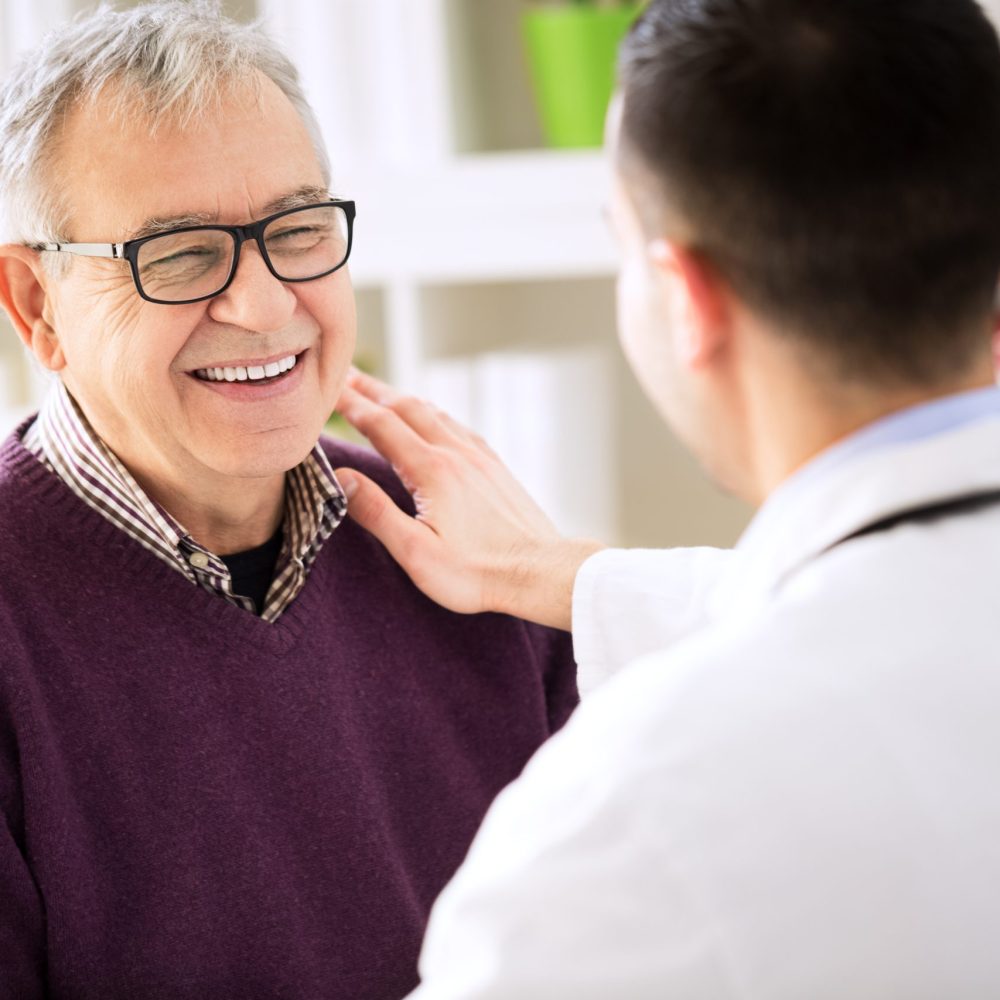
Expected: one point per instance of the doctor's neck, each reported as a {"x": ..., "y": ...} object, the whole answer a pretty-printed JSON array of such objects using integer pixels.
[{"x": 785, "y": 405}]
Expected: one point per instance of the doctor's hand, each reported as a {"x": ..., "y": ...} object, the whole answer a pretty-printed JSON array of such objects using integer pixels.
[{"x": 478, "y": 541}]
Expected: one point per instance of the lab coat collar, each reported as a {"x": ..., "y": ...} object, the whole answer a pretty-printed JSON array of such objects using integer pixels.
[{"x": 819, "y": 507}]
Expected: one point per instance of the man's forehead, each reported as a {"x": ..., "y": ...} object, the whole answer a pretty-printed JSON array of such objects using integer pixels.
[
  {"x": 126, "y": 178},
  {"x": 158, "y": 222}
]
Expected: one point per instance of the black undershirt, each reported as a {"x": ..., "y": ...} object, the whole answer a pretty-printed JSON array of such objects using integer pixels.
[{"x": 252, "y": 571}]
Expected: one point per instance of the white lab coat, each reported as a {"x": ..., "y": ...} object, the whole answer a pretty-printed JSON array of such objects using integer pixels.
[{"x": 794, "y": 793}]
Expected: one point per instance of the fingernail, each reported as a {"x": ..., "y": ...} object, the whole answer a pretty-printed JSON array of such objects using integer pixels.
[{"x": 348, "y": 483}]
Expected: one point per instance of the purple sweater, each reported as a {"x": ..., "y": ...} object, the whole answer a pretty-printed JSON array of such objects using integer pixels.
[{"x": 199, "y": 804}]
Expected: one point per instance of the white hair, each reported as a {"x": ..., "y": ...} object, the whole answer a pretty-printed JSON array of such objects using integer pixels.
[{"x": 169, "y": 60}]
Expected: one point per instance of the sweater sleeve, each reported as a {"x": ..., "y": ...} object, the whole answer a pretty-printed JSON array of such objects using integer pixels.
[{"x": 22, "y": 924}]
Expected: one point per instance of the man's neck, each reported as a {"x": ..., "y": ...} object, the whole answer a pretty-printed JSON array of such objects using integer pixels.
[
  {"x": 225, "y": 514},
  {"x": 225, "y": 518}
]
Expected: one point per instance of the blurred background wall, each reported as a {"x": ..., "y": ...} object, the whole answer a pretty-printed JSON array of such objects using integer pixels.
[{"x": 483, "y": 268}]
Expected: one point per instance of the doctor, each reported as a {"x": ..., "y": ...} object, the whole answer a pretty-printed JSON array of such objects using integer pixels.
[{"x": 792, "y": 792}]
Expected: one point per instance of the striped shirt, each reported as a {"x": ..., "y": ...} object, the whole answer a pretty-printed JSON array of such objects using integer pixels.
[{"x": 63, "y": 440}]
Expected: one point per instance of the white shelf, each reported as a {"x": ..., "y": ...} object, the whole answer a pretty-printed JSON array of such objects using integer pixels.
[{"x": 512, "y": 216}]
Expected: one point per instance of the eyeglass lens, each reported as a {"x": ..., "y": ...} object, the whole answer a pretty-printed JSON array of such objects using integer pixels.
[{"x": 303, "y": 244}]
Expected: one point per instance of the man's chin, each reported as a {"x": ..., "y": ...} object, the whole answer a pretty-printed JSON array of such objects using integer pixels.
[{"x": 264, "y": 456}]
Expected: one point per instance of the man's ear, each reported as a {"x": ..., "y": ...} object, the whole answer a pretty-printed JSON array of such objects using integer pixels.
[
  {"x": 701, "y": 298},
  {"x": 24, "y": 297}
]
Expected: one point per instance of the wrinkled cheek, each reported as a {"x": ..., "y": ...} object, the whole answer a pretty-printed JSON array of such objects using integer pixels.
[
  {"x": 337, "y": 345},
  {"x": 138, "y": 395},
  {"x": 131, "y": 402}
]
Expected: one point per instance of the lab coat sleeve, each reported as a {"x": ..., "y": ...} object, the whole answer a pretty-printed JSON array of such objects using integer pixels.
[
  {"x": 552, "y": 901},
  {"x": 630, "y": 602}
]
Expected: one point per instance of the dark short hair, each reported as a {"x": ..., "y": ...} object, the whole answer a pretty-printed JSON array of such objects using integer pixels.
[{"x": 837, "y": 161}]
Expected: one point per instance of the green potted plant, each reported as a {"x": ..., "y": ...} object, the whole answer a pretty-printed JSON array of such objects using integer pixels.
[{"x": 572, "y": 46}]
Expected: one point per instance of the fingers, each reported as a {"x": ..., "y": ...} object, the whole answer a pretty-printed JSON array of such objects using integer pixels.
[
  {"x": 375, "y": 389},
  {"x": 375, "y": 511},
  {"x": 411, "y": 542},
  {"x": 432, "y": 424},
  {"x": 390, "y": 435}
]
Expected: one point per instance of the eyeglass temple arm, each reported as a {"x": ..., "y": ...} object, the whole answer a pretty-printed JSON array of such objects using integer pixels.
[{"x": 115, "y": 250}]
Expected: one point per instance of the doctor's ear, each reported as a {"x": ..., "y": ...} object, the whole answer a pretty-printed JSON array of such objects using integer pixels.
[
  {"x": 24, "y": 288},
  {"x": 700, "y": 298}
]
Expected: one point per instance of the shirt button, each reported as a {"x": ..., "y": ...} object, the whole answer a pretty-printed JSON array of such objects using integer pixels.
[{"x": 198, "y": 559}]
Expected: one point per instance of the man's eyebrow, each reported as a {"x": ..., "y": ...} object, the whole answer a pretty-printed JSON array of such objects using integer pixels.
[
  {"x": 308, "y": 195},
  {"x": 161, "y": 224},
  {"x": 157, "y": 224}
]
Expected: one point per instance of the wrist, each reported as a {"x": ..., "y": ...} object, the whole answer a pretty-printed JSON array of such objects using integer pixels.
[{"x": 536, "y": 583}]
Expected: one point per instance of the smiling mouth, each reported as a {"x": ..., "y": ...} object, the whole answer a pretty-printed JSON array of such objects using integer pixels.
[{"x": 261, "y": 374}]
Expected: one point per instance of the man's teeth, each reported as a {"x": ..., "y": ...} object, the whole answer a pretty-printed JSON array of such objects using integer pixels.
[{"x": 250, "y": 373}]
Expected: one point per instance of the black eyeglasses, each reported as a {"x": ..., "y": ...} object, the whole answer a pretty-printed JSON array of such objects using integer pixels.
[{"x": 194, "y": 263}]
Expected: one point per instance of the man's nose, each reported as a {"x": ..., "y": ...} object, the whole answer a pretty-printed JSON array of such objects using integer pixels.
[{"x": 256, "y": 299}]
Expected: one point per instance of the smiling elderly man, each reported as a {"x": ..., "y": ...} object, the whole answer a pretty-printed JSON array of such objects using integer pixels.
[{"x": 240, "y": 754}]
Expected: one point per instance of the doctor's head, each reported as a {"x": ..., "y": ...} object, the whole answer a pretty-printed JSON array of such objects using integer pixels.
[
  {"x": 804, "y": 185},
  {"x": 137, "y": 147}
]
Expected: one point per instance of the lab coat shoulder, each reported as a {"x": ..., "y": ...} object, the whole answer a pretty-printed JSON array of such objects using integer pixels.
[{"x": 822, "y": 744}]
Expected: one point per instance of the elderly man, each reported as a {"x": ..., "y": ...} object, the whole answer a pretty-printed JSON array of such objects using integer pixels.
[{"x": 240, "y": 753}]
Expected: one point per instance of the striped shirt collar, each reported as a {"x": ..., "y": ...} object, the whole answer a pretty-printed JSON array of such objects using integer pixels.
[{"x": 62, "y": 438}]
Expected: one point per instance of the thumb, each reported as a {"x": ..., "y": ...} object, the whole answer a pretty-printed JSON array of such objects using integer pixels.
[{"x": 371, "y": 507}]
